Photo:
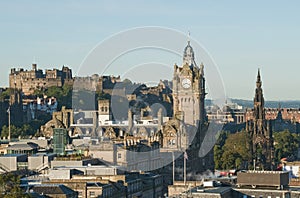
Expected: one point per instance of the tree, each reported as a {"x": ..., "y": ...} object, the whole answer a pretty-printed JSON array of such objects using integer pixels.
[
  {"x": 286, "y": 145},
  {"x": 62, "y": 94},
  {"x": 10, "y": 186},
  {"x": 232, "y": 150},
  {"x": 23, "y": 131},
  {"x": 14, "y": 131},
  {"x": 218, "y": 151},
  {"x": 5, "y": 94}
]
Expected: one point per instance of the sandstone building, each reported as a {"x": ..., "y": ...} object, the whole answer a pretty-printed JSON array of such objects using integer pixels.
[{"x": 29, "y": 81}]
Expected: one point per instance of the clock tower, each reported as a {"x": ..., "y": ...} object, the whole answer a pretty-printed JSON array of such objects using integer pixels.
[{"x": 189, "y": 89}]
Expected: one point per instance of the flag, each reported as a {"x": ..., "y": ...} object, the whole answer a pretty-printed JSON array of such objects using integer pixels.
[{"x": 185, "y": 155}]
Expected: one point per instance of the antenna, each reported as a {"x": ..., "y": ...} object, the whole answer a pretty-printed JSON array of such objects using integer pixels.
[{"x": 189, "y": 37}]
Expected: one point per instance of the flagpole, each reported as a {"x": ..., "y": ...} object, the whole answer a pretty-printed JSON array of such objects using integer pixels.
[
  {"x": 9, "y": 123},
  {"x": 173, "y": 167},
  {"x": 184, "y": 168}
]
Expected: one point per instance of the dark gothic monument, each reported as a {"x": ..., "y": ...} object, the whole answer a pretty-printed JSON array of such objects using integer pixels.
[{"x": 260, "y": 131}]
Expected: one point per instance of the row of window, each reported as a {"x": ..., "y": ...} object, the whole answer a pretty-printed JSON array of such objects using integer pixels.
[
  {"x": 186, "y": 100},
  {"x": 104, "y": 109}
]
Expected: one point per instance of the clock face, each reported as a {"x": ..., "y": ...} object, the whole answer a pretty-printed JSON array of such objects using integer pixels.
[{"x": 186, "y": 83}]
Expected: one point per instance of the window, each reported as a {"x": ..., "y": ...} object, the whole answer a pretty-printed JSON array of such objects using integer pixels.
[
  {"x": 173, "y": 142},
  {"x": 119, "y": 155},
  {"x": 92, "y": 194}
]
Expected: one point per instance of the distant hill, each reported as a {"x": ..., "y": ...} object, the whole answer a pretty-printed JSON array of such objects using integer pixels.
[{"x": 268, "y": 104}]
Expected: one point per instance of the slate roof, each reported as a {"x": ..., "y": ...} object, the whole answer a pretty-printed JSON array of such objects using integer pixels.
[
  {"x": 48, "y": 189},
  {"x": 27, "y": 147}
]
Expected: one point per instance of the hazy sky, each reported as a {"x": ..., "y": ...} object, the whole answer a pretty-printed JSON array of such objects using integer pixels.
[{"x": 239, "y": 35}]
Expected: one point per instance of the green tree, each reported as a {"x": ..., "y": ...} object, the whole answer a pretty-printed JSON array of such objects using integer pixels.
[
  {"x": 10, "y": 186},
  {"x": 62, "y": 94},
  {"x": 286, "y": 144},
  {"x": 5, "y": 94},
  {"x": 15, "y": 132},
  {"x": 218, "y": 151},
  {"x": 23, "y": 131},
  {"x": 232, "y": 150}
]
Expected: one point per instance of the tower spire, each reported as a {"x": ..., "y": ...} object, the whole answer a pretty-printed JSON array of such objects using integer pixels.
[
  {"x": 259, "y": 99},
  {"x": 189, "y": 37},
  {"x": 188, "y": 53},
  {"x": 258, "y": 80}
]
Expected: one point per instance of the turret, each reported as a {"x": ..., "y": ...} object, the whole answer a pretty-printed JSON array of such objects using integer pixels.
[{"x": 34, "y": 66}]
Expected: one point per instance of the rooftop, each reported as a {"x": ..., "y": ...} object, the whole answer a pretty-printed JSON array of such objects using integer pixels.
[
  {"x": 52, "y": 189},
  {"x": 27, "y": 147},
  {"x": 214, "y": 190},
  {"x": 13, "y": 155}
]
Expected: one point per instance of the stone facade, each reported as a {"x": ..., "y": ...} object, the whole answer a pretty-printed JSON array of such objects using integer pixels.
[
  {"x": 184, "y": 132},
  {"x": 189, "y": 89},
  {"x": 281, "y": 118},
  {"x": 96, "y": 83},
  {"x": 29, "y": 81},
  {"x": 113, "y": 186},
  {"x": 287, "y": 114}
]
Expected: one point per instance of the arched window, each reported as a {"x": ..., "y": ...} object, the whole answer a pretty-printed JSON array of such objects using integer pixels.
[{"x": 173, "y": 142}]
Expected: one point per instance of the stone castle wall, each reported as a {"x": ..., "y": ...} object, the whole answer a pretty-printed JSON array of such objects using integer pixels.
[{"x": 28, "y": 81}]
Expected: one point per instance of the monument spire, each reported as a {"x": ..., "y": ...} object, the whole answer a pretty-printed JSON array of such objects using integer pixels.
[
  {"x": 258, "y": 80},
  {"x": 258, "y": 99}
]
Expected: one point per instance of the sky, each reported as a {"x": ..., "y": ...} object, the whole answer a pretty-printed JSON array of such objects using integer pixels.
[{"x": 240, "y": 36}]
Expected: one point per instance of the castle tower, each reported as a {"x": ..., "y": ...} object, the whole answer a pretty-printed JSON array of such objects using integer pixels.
[
  {"x": 189, "y": 89},
  {"x": 104, "y": 113},
  {"x": 34, "y": 66}
]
